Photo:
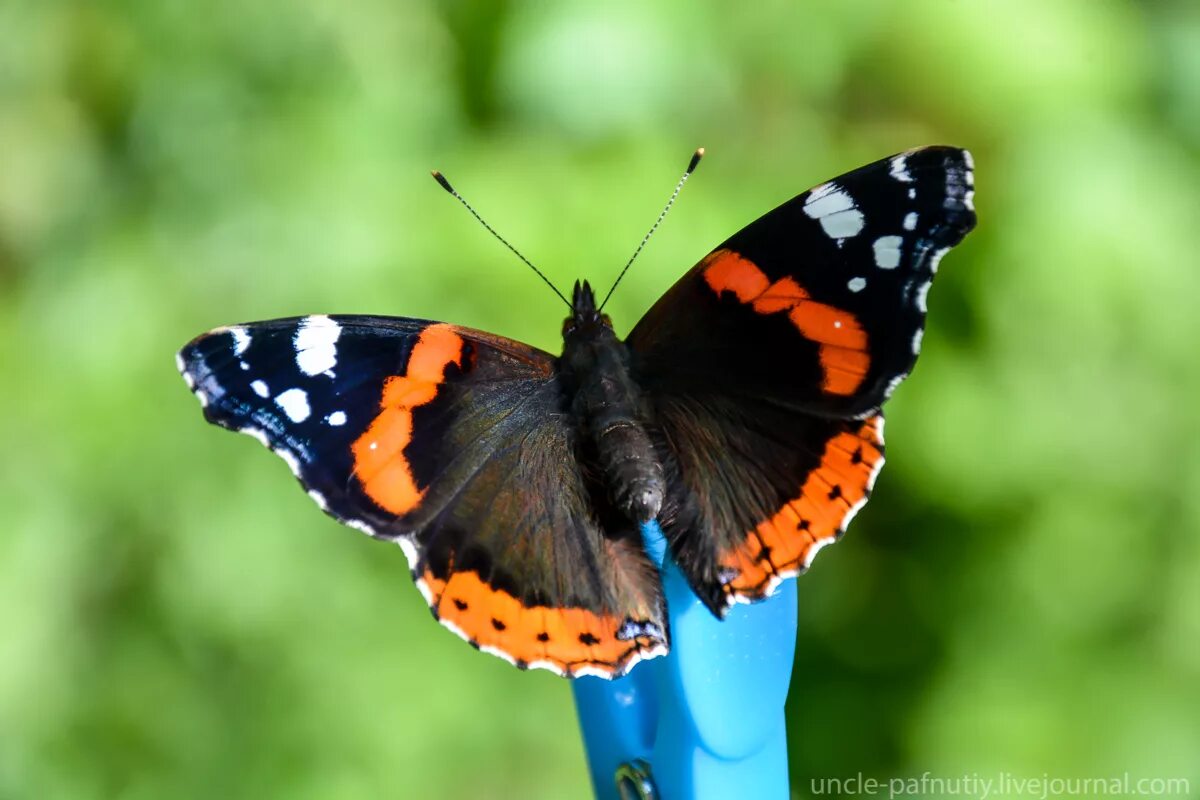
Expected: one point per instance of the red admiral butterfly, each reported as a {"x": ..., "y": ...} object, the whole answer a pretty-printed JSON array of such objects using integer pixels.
[{"x": 742, "y": 414}]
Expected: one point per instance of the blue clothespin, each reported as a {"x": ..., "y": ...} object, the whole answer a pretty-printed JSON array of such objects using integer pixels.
[{"x": 706, "y": 720}]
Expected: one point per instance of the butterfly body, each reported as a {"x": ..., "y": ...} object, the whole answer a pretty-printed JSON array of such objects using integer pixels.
[
  {"x": 742, "y": 414},
  {"x": 607, "y": 405}
]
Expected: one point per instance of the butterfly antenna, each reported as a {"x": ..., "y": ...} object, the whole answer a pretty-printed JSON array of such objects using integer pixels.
[
  {"x": 691, "y": 167},
  {"x": 445, "y": 184}
]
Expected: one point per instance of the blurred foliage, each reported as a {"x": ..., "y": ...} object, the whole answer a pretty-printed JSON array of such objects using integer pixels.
[{"x": 1023, "y": 593}]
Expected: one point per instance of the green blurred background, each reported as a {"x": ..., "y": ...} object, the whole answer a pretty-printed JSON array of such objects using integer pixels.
[{"x": 178, "y": 621}]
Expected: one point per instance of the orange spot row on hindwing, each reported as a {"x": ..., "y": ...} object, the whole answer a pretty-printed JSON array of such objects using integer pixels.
[
  {"x": 842, "y": 341},
  {"x": 379, "y": 460},
  {"x": 566, "y": 640},
  {"x": 787, "y": 541}
]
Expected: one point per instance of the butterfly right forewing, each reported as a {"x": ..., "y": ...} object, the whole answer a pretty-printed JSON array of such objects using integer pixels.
[{"x": 819, "y": 304}]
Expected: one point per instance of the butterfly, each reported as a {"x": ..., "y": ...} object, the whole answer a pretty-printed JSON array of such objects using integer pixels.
[{"x": 742, "y": 414}]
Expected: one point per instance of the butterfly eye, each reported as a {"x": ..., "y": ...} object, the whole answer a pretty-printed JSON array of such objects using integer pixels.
[{"x": 568, "y": 326}]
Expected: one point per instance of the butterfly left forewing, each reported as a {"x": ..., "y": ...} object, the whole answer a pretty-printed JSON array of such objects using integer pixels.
[
  {"x": 765, "y": 366},
  {"x": 309, "y": 388}
]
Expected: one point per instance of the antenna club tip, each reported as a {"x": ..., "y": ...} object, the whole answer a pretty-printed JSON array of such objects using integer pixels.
[
  {"x": 441, "y": 179},
  {"x": 696, "y": 156}
]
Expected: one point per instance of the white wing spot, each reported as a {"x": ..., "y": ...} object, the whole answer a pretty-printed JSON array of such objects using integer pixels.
[
  {"x": 815, "y": 548},
  {"x": 837, "y": 323},
  {"x": 912, "y": 194},
  {"x": 410, "y": 551},
  {"x": 359, "y": 525},
  {"x": 336, "y": 418},
  {"x": 289, "y": 458},
  {"x": 260, "y": 388},
  {"x": 319, "y": 499},
  {"x": 374, "y": 445},
  {"x": 825, "y": 200},
  {"x": 183, "y": 370},
  {"x": 843, "y": 224},
  {"x": 839, "y": 217},
  {"x": 241, "y": 340},
  {"x": 245, "y": 367},
  {"x": 937, "y": 259},
  {"x": 497, "y": 652},
  {"x": 817, "y": 192},
  {"x": 899, "y": 169},
  {"x": 916, "y": 342},
  {"x": 922, "y": 293},
  {"x": 256, "y": 434},
  {"x": 316, "y": 344},
  {"x": 586, "y": 671},
  {"x": 887, "y": 251},
  {"x": 856, "y": 284},
  {"x": 910, "y": 221},
  {"x": 294, "y": 403}
]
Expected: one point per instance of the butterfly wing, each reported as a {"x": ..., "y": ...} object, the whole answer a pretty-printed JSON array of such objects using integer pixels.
[
  {"x": 766, "y": 365},
  {"x": 453, "y": 444}
]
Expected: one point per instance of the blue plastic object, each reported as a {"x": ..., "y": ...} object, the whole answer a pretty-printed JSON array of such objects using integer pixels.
[{"x": 706, "y": 720}]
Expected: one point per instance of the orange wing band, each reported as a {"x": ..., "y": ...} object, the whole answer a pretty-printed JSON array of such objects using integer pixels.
[
  {"x": 786, "y": 543},
  {"x": 379, "y": 460},
  {"x": 568, "y": 641},
  {"x": 842, "y": 341}
]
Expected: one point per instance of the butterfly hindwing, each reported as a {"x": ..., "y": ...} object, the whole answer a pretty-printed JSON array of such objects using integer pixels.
[
  {"x": 450, "y": 442},
  {"x": 757, "y": 490},
  {"x": 766, "y": 364}
]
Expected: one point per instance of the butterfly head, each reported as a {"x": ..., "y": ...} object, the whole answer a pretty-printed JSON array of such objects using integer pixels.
[{"x": 585, "y": 316}]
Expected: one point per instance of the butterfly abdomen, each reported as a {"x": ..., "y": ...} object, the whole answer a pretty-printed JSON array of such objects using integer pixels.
[
  {"x": 606, "y": 402},
  {"x": 633, "y": 472}
]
